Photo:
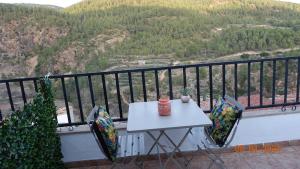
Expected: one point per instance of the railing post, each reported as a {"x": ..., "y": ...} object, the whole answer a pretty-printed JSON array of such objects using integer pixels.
[
  {"x": 130, "y": 87},
  {"x": 249, "y": 84},
  {"x": 298, "y": 81},
  {"x": 235, "y": 81},
  {"x": 223, "y": 80},
  {"x": 35, "y": 85},
  {"x": 157, "y": 85},
  {"x": 66, "y": 99},
  {"x": 79, "y": 99},
  {"x": 198, "y": 85},
  {"x": 1, "y": 117},
  {"x": 261, "y": 77},
  {"x": 286, "y": 80},
  {"x": 170, "y": 83},
  {"x": 211, "y": 95},
  {"x": 105, "y": 93},
  {"x": 10, "y": 97},
  {"x": 91, "y": 90},
  {"x": 184, "y": 77},
  {"x": 274, "y": 82},
  {"x": 23, "y": 92},
  {"x": 144, "y": 86},
  {"x": 119, "y": 95}
]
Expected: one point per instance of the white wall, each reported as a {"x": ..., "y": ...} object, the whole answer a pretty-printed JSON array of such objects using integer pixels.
[{"x": 251, "y": 130}]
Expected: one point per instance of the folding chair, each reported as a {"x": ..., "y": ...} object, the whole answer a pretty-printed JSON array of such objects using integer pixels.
[
  {"x": 211, "y": 142},
  {"x": 129, "y": 145}
]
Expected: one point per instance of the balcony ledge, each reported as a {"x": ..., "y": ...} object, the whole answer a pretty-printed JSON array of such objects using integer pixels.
[
  {"x": 265, "y": 126},
  {"x": 123, "y": 125}
]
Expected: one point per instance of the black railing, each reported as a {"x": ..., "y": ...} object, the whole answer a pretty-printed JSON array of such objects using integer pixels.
[{"x": 275, "y": 81}]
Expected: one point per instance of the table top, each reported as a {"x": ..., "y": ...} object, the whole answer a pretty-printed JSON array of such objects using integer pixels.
[{"x": 144, "y": 116}]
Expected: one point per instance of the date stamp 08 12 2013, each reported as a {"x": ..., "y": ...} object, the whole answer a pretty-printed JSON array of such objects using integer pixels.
[{"x": 266, "y": 148}]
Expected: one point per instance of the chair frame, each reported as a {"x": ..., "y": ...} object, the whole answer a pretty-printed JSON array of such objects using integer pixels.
[
  {"x": 208, "y": 142},
  {"x": 119, "y": 162}
]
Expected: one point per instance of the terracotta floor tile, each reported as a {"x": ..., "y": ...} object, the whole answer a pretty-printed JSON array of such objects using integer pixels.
[
  {"x": 225, "y": 156},
  {"x": 288, "y": 158},
  {"x": 236, "y": 163},
  {"x": 296, "y": 148},
  {"x": 288, "y": 149},
  {"x": 201, "y": 165},
  {"x": 251, "y": 154},
  {"x": 263, "y": 162},
  {"x": 93, "y": 167}
]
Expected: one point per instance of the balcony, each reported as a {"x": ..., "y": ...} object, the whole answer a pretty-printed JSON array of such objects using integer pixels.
[
  {"x": 287, "y": 158},
  {"x": 268, "y": 88}
]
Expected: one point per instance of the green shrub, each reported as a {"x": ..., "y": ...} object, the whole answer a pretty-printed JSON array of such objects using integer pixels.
[
  {"x": 264, "y": 54},
  {"x": 28, "y": 138},
  {"x": 245, "y": 56}
]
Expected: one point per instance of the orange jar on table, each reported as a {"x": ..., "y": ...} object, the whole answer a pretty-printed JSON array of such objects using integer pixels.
[{"x": 164, "y": 107}]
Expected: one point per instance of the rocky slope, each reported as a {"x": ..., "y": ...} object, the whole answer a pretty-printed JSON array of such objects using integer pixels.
[{"x": 105, "y": 34}]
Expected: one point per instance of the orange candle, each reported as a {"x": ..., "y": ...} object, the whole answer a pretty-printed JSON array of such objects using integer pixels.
[{"x": 164, "y": 107}]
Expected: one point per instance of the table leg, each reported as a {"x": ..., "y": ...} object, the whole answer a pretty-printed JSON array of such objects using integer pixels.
[
  {"x": 176, "y": 148},
  {"x": 172, "y": 142},
  {"x": 160, "y": 163},
  {"x": 173, "y": 153},
  {"x": 156, "y": 142}
]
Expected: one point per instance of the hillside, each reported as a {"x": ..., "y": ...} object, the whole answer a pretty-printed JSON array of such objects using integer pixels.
[{"x": 96, "y": 35}]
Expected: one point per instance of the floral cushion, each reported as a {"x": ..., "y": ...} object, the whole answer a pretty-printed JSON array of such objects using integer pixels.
[
  {"x": 223, "y": 116},
  {"x": 106, "y": 133}
]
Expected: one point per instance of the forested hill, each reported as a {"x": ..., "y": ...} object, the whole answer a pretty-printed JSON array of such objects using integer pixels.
[{"x": 105, "y": 34}]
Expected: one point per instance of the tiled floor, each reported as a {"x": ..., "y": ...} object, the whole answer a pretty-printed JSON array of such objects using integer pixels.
[{"x": 287, "y": 158}]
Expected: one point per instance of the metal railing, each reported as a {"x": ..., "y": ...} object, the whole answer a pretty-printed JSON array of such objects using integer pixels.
[{"x": 268, "y": 73}]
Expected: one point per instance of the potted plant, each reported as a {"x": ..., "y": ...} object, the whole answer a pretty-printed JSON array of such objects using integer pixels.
[{"x": 185, "y": 95}]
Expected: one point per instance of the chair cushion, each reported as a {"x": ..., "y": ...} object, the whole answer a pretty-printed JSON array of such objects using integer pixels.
[
  {"x": 106, "y": 133},
  {"x": 223, "y": 117}
]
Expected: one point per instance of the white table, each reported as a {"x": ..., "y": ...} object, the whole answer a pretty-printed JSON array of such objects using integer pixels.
[{"x": 144, "y": 117}]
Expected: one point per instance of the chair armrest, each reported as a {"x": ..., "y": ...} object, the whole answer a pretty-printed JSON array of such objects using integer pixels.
[
  {"x": 208, "y": 137},
  {"x": 233, "y": 134},
  {"x": 91, "y": 116}
]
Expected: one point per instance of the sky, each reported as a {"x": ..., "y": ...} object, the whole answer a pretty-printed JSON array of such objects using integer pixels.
[
  {"x": 60, "y": 3},
  {"x": 295, "y": 1},
  {"x": 66, "y": 3}
]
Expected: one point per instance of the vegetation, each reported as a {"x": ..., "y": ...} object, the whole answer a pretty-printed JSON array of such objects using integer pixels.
[
  {"x": 185, "y": 91},
  {"x": 29, "y": 138},
  {"x": 185, "y": 29},
  {"x": 114, "y": 34}
]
